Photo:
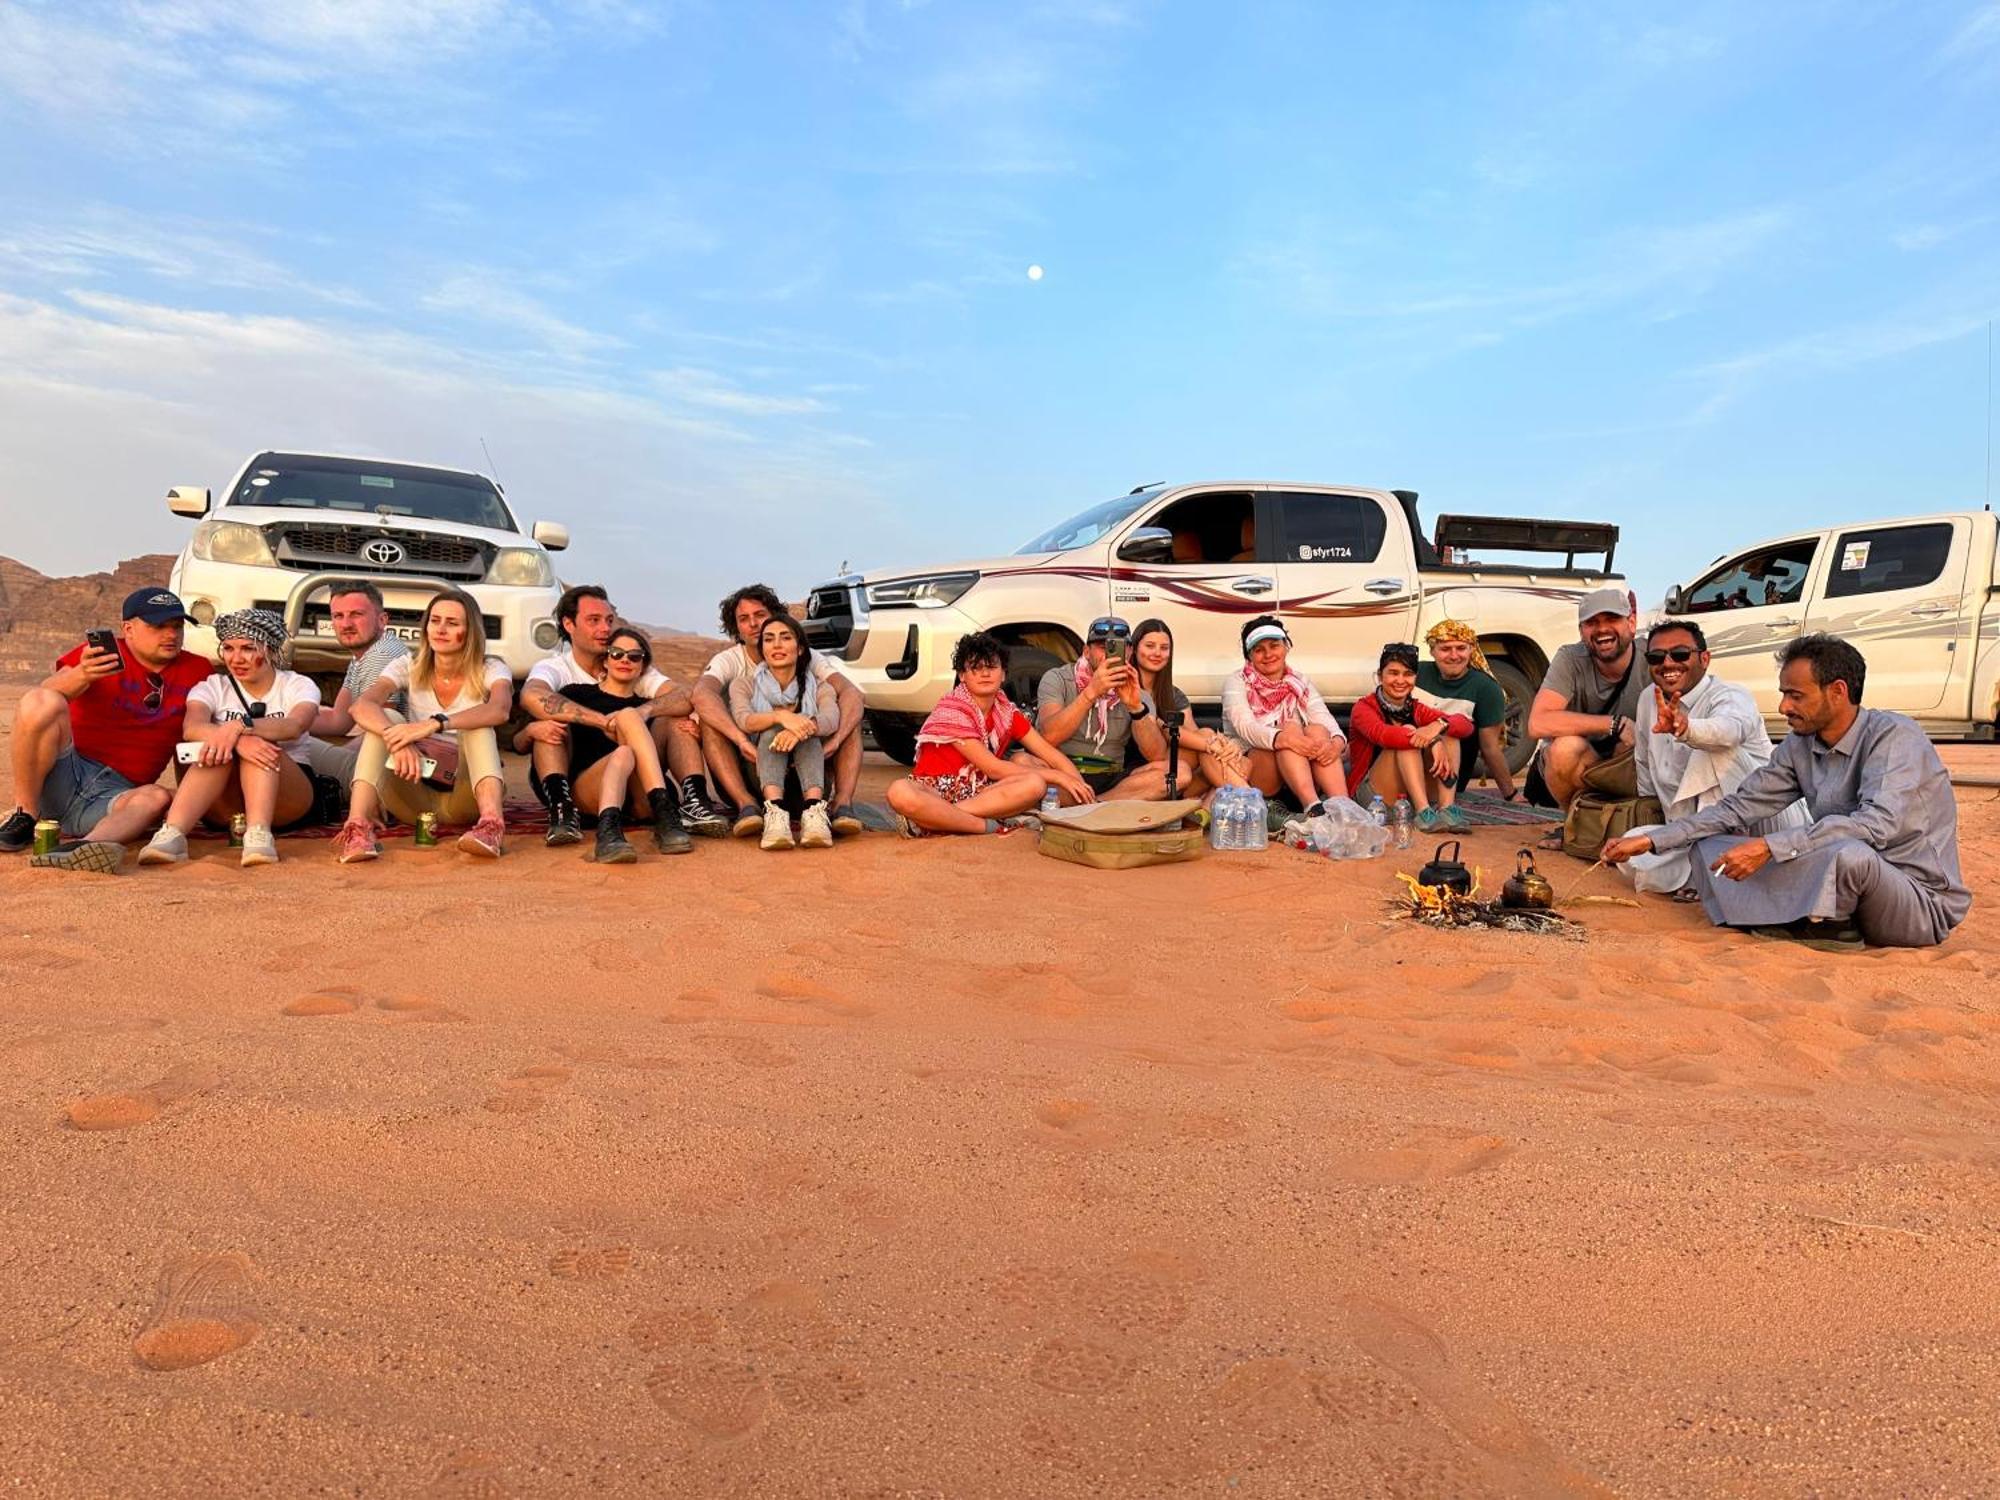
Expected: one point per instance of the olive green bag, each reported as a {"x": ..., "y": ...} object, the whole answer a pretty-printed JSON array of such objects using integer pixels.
[
  {"x": 1121, "y": 851},
  {"x": 1594, "y": 820}
]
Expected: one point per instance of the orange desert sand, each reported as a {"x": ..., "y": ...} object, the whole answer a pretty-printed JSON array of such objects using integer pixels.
[{"x": 949, "y": 1170}]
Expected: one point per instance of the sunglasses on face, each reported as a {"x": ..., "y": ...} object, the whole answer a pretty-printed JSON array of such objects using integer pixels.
[
  {"x": 1672, "y": 653},
  {"x": 623, "y": 653}
]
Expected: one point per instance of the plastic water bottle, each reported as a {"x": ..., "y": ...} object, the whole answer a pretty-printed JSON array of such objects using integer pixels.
[
  {"x": 1256, "y": 822},
  {"x": 1218, "y": 818},
  {"x": 1051, "y": 800},
  {"x": 1379, "y": 811},
  {"x": 1234, "y": 829},
  {"x": 1401, "y": 820}
]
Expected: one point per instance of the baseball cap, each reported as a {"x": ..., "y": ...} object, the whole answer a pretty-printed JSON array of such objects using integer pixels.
[
  {"x": 155, "y": 607},
  {"x": 1605, "y": 601}
]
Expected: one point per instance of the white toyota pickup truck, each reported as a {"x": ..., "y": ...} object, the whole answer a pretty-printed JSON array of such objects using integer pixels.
[
  {"x": 290, "y": 523},
  {"x": 1919, "y": 596},
  {"x": 1347, "y": 568}
]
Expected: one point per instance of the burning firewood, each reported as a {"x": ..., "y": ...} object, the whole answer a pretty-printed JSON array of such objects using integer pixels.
[{"x": 1441, "y": 906}]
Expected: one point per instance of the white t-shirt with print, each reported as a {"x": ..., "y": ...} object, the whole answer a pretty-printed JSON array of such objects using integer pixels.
[
  {"x": 560, "y": 670},
  {"x": 424, "y": 702},
  {"x": 286, "y": 692},
  {"x": 734, "y": 662}
]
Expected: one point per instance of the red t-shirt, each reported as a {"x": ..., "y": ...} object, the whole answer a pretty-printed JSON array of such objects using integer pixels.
[
  {"x": 112, "y": 725},
  {"x": 948, "y": 760}
]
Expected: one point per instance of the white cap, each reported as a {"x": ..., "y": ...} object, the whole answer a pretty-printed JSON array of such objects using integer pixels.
[
  {"x": 1261, "y": 634},
  {"x": 1605, "y": 601}
]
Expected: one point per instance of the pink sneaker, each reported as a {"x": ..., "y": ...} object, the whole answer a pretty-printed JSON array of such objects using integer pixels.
[
  {"x": 356, "y": 841},
  {"x": 483, "y": 838}
]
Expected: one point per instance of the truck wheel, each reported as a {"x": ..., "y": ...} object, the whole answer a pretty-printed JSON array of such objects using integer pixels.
[
  {"x": 1520, "y": 693},
  {"x": 895, "y": 735},
  {"x": 1025, "y": 667}
]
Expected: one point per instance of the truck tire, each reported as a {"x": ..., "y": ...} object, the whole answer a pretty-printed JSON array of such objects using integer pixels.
[
  {"x": 1025, "y": 668},
  {"x": 1520, "y": 693},
  {"x": 895, "y": 735}
]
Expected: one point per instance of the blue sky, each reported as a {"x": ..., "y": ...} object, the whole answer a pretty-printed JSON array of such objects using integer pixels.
[{"x": 739, "y": 290}]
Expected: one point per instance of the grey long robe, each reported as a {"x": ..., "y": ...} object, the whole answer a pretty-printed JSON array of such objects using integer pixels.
[{"x": 1882, "y": 847}]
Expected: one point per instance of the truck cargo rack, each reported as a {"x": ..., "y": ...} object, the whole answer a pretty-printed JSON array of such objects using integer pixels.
[{"x": 1526, "y": 534}]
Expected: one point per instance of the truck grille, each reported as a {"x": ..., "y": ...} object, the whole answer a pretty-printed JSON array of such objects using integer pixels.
[
  {"x": 829, "y": 620},
  {"x": 317, "y": 548}
]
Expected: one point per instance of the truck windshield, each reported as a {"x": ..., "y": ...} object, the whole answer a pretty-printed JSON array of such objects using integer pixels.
[
  {"x": 1084, "y": 527},
  {"x": 358, "y": 487}
]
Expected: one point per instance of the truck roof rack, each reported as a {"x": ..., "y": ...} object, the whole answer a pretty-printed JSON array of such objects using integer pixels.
[{"x": 1526, "y": 534}]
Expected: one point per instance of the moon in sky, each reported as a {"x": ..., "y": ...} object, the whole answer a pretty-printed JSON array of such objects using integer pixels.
[{"x": 1034, "y": 273}]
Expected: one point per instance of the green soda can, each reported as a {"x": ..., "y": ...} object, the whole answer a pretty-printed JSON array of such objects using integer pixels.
[
  {"x": 48, "y": 836},
  {"x": 236, "y": 826},
  {"x": 427, "y": 831}
]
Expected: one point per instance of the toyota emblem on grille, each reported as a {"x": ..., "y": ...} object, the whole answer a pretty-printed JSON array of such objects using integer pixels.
[{"x": 383, "y": 553}]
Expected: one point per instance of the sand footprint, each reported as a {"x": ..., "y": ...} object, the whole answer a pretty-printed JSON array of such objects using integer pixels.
[
  {"x": 202, "y": 1311},
  {"x": 747, "y": 1051},
  {"x": 136, "y": 1107},
  {"x": 1402, "y": 1345},
  {"x": 596, "y": 1247},
  {"x": 795, "y": 989},
  {"x": 470, "y": 1475},
  {"x": 527, "y": 1090},
  {"x": 328, "y": 1000},
  {"x": 718, "y": 1398}
]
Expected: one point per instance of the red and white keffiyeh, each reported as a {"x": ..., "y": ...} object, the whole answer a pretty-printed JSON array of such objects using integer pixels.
[
  {"x": 956, "y": 718},
  {"x": 1268, "y": 696}
]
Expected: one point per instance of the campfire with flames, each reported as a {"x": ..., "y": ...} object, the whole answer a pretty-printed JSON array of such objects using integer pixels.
[{"x": 1441, "y": 906}]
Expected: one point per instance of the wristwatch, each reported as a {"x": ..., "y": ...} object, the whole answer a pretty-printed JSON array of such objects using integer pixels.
[
  {"x": 1140, "y": 712},
  {"x": 443, "y": 719}
]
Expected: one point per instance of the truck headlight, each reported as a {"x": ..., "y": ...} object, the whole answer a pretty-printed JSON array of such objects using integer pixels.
[
  {"x": 521, "y": 568},
  {"x": 934, "y": 592},
  {"x": 232, "y": 542}
]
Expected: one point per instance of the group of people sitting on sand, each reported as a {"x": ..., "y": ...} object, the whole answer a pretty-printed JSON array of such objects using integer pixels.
[{"x": 1847, "y": 831}]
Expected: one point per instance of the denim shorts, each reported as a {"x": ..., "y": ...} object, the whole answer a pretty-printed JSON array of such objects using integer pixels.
[{"x": 80, "y": 792}]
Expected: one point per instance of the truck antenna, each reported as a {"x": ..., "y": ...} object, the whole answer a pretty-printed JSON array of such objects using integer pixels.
[
  {"x": 1989, "y": 414},
  {"x": 491, "y": 467}
]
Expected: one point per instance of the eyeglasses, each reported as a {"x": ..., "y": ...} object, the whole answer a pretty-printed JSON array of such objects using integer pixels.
[
  {"x": 621, "y": 653},
  {"x": 152, "y": 700},
  {"x": 1672, "y": 653},
  {"x": 1401, "y": 651},
  {"x": 1109, "y": 627}
]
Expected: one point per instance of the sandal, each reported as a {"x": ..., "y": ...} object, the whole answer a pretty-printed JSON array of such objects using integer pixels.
[
  {"x": 1687, "y": 895},
  {"x": 1549, "y": 843}
]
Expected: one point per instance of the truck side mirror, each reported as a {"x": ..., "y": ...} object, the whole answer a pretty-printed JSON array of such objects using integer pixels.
[
  {"x": 188, "y": 500},
  {"x": 1676, "y": 597},
  {"x": 1149, "y": 544},
  {"x": 551, "y": 534}
]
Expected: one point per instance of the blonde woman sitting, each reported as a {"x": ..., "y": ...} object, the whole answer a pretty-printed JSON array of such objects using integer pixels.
[{"x": 459, "y": 697}]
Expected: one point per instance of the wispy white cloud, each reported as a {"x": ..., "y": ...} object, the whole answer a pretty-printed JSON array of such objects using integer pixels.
[
  {"x": 158, "y": 394},
  {"x": 705, "y": 388},
  {"x": 1975, "y": 45},
  {"x": 502, "y": 306}
]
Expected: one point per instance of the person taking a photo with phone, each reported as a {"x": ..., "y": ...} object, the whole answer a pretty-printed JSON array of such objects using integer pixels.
[
  {"x": 90, "y": 741},
  {"x": 1092, "y": 708},
  {"x": 246, "y": 743}
]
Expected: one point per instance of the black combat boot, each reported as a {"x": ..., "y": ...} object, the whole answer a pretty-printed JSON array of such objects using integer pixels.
[
  {"x": 668, "y": 831},
  {"x": 612, "y": 846}
]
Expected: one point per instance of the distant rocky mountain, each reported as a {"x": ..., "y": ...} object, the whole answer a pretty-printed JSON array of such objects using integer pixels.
[{"x": 42, "y": 617}]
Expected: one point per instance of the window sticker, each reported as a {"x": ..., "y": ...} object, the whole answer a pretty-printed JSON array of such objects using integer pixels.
[
  {"x": 1310, "y": 553},
  {"x": 260, "y": 482},
  {"x": 378, "y": 481},
  {"x": 1854, "y": 557}
]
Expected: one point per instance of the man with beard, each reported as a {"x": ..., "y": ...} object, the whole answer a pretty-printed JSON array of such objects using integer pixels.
[
  {"x": 586, "y": 619},
  {"x": 1699, "y": 738},
  {"x": 1880, "y": 854},
  {"x": 360, "y": 624},
  {"x": 729, "y": 752},
  {"x": 1584, "y": 713}
]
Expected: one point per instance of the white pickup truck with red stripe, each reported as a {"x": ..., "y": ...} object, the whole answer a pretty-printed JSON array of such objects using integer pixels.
[{"x": 1348, "y": 569}]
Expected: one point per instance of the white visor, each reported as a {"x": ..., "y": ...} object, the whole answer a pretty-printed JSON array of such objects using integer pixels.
[{"x": 1264, "y": 633}]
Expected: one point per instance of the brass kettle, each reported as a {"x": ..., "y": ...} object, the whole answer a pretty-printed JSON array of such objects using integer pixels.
[{"x": 1527, "y": 889}]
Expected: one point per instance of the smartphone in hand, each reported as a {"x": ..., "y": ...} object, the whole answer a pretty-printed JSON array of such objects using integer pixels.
[{"x": 103, "y": 640}]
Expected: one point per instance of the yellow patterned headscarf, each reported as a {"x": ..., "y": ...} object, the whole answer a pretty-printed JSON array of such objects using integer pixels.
[{"x": 1457, "y": 630}]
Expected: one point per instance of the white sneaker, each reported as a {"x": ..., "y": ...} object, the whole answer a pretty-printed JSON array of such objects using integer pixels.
[
  {"x": 169, "y": 846},
  {"x": 259, "y": 848},
  {"x": 777, "y": 827},
  {"x": 816, "y": 828}
]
